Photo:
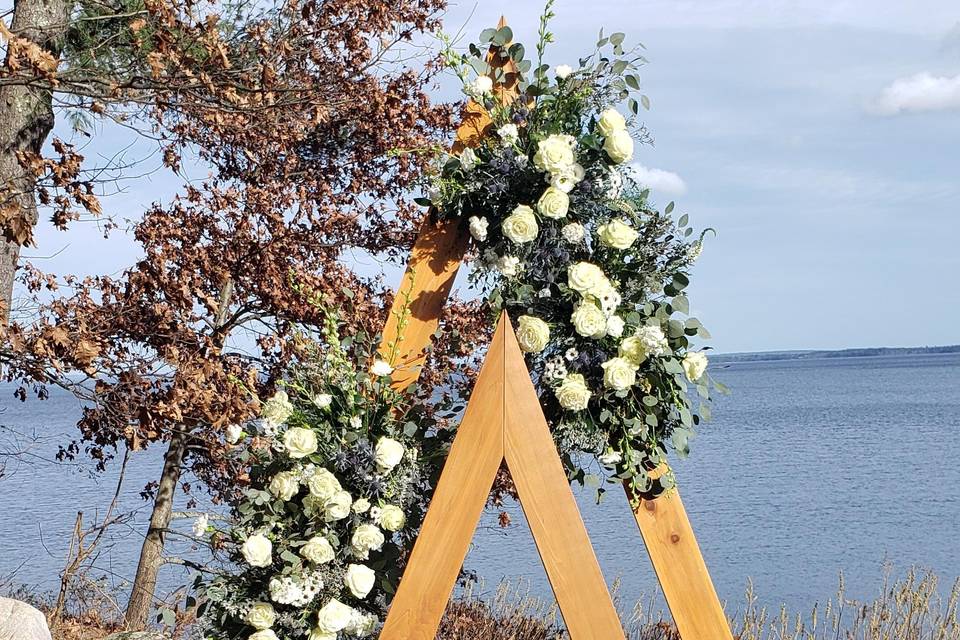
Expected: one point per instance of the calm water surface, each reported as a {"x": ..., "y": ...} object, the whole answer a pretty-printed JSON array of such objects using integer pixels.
[{"x": 810, "y": 468}]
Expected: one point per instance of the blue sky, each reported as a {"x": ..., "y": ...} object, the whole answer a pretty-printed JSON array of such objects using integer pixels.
[{"x": 819, "y": 138}]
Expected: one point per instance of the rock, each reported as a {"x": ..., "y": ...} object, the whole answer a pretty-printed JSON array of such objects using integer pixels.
[
  {"x": 20, "y": 621},
  {"x": 136, "y": 635}
]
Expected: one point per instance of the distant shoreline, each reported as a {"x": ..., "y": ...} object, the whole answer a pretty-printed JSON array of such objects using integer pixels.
[{"x": 811, "y": 354}]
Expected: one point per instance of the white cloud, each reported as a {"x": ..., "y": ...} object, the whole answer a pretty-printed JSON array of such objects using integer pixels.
[
  {"x": 921, "y": 92},
  {"x": 666, "y": 182}
]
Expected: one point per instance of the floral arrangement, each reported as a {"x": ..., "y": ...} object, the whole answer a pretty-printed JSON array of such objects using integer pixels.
[
  {"x": 566, "y": 241},
  {"x": 339, "y": 482}
]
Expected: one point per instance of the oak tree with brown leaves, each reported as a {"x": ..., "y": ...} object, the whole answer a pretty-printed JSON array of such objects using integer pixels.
[{"x": 298, "y": 109}]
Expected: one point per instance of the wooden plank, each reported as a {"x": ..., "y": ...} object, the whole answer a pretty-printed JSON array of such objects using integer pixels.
[
  {"x": 681, "y": 570},
  {"x": 455, "y": 509},
  {"x": 551, "y": 510},
  {"x": 435, "y": 258}
]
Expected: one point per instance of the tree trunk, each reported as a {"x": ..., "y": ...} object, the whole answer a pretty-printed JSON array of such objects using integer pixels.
[
  {"x": 151, "y": 554},
  {"x": 26, "y": 118}
]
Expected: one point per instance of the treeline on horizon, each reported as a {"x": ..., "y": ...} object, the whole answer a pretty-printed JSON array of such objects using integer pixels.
[{"x": 866, "y": 352}]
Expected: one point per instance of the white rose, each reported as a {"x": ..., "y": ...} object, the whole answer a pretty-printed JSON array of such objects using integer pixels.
[
  {"x": 284, "y": 485},
  {"x": 333, "y": 617},
  {"x": 234, "y": 433},
  {"x": 257, "y": 550},
  {"x": 264, "y": 634},
  {"x": 615, "y": 326},
  {"x": 359, "y": 579},
  {"x": 554, "y": 153},
  {"x": 480, "y": 86},
  {"x": 589, "y": 321},
  {"x": 337, "y": 507},
  {"x": 361, "y": 505},
  {"x": 391, "y": 518},
  {"x": 300, "y": 442},
  {"x": 521, "y": 225},
  {"x": 322, "y": 400},
  {"x": 468, "y": 159},
  {"x": 610, "y": 458},
  {"x": 573, "y": 393},
  {"x": 573, "y": 232},
  {"x": 509, "y": 133},
  {"x": 554, "y": 203},
  {"x": 610, "y": 122},
  {"x": 617, "y": 234},
  {"x": 584, "y": 277},
  {"x": 277, "y": 409},
  {"x": 694, "y": 364},
  {"x": 633, "y": 349},
  {"x": 532, "y": 334},
  {"x": 366, "y": 538},
  {"x": 619, "y": 373},
  {"x": 478, "y": 228},
  {"x": 563, "y": 71},
  {"x": 318, "y": 550},
  {"x": 388, "y": 454},
  {"x": 323, "y": 485},
  {"x": 619, "y": 146},
  {"x": 319, "y": 634},
  {"x": 261, "y": 615},
  {"x": 381, "y": 368},
  {"x": 509, "y": 266}
]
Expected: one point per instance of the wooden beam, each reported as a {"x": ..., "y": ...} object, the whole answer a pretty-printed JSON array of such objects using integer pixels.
[{"x": 503, "y": 420}]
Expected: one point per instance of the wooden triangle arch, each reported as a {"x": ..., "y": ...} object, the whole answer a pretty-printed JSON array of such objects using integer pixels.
[
  {"x": 503, "y": 422},
  {"x": 439, "y": 551}
]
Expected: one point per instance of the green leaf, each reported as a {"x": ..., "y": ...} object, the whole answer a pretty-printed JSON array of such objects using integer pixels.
[
  {"x": 633, "y": 82},
  {"x": 681, "y": 304},
  {"x": 669, "y": 208},
  {"x": 487, "y": 35},
  {"x": 620, "y": 66},
  {"x": 516, "y": 52},
  {"x": 684, "y": 219},
  {"x": 617, "y": 38},
  {"x": 503, "y": 36},
  {"x": 645, "y": 101}
]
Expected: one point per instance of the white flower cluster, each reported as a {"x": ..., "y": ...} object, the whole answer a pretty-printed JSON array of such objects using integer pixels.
[{"x": 297, "y": 592}]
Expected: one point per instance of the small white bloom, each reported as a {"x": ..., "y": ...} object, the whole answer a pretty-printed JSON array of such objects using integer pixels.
[
  {"x": 277, "y": 409},
  {"x": 509, "y": 266},
  {"x": 615, "y": 326},
  {"x": 391, "y": 518},
  {"x": 694, "y": 251},
  {"x": 480, "y": 86},
  {"x": 571, "y": 354},
  {"x": 478, "y": 228},
  {"x": 300, "y": 442},
  {"x": 257, "y": 550},
  {"x": 610, "y": 458},
  {"x": 359, "y": 579},
  {"x": 200, "y": 525},
  {"x": 388, "y": 454},
  {"x": 261, "y": 615},
  {"x": 234, "y": 433},
  {"x": 356, "y": 423},
  {"x": 381, "y": 368},
  {"x": 361, "y": 625},
  {"x": 544, "y": 293},
  {"x": 614, "y": 184},
  {"x": 573, "y": 233},
  {"x": 468, "y": 159},
  {"x": 322, "y": 400},
  {"x": 521, "y": 225},
  {"x": 509, "y": 133},
  {"x": 694, "y": 364},
  {"x": 563, "y": 71},
  {"x": 334, "y": 616}
]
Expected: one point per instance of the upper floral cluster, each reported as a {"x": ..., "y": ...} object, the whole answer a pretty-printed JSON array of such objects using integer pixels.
[
  {"x": 567, "y": 243},
  {"x": 338, "y": 487}
]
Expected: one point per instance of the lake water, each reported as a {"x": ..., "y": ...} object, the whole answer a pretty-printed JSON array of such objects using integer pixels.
[{"x": 810, "y": 468}]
